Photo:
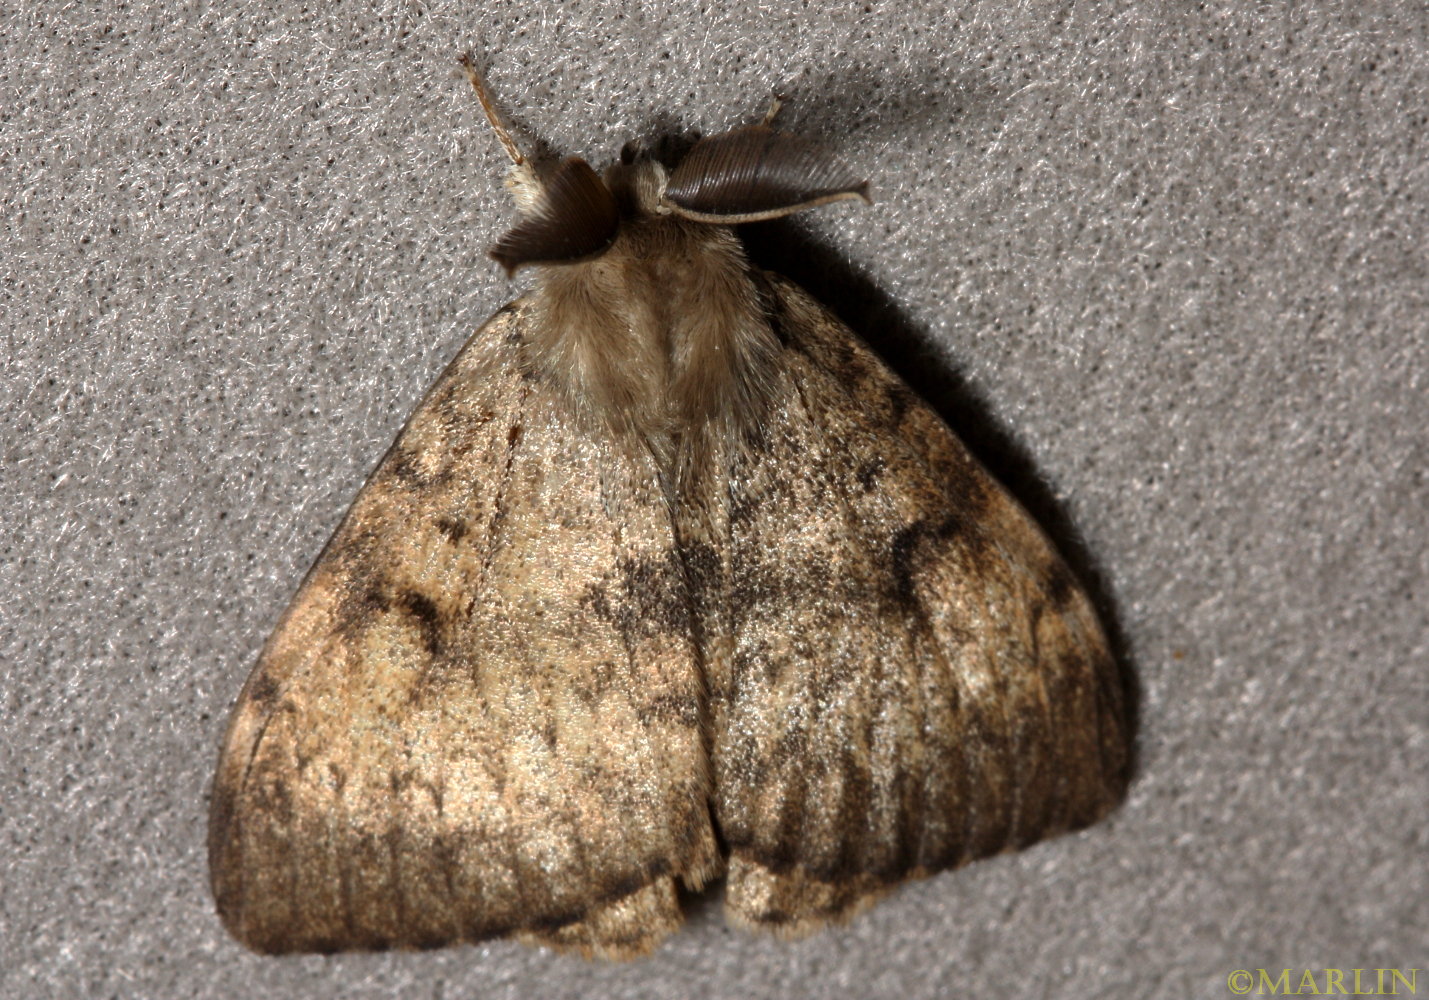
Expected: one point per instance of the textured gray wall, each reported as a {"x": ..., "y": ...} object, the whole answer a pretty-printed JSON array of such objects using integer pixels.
[{"x": 1165, "y": 271}]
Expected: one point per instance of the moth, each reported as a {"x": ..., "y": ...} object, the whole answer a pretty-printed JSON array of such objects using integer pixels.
[{"x": 668, "y": 577}]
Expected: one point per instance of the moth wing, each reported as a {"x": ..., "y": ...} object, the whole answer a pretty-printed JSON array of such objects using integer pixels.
[
  {"x": 916, "y": 679},
  {"x": 481, "y": 713}
]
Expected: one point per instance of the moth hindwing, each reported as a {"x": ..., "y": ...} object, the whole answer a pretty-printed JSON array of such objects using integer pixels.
[{"x": 667, "y": 577}]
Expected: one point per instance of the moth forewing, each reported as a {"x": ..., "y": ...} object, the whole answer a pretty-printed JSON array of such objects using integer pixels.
[{"x": 667, "y": 574}]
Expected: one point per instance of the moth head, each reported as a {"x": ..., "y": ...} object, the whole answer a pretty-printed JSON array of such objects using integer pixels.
[{"x": 748, "y": 174}]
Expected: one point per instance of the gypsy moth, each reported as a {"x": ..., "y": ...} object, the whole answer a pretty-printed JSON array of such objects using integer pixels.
[{"x": 667, "y": 577}]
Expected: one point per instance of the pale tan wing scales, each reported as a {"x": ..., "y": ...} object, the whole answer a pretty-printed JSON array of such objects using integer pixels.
[
  {"x": 481, "y": 714},
  {"x": 916, "y": 680}
]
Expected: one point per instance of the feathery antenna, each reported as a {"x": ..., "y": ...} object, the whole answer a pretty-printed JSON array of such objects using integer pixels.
[{"x": 488, "y": 104}]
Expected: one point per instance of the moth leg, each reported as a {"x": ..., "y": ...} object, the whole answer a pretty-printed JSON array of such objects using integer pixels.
[
  {"x": 776, "y": 103},
  {"x": 627, "y": 928},
  {"x": 793, "y": 903},
  {"x": 521, "y": 180}
]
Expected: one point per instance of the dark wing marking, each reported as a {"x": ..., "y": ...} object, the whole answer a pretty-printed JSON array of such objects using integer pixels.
[
  {"x": 481, "y": 713},
  {"x": 916, "y": 680}
]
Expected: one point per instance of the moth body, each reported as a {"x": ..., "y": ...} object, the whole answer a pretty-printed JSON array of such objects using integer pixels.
[
  {"x": 668, "y": 577},
  {"x": 663, "y": 338}
]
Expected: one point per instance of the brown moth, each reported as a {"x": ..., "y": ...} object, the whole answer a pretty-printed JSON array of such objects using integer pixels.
[{"x": 667, "y": 578}]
